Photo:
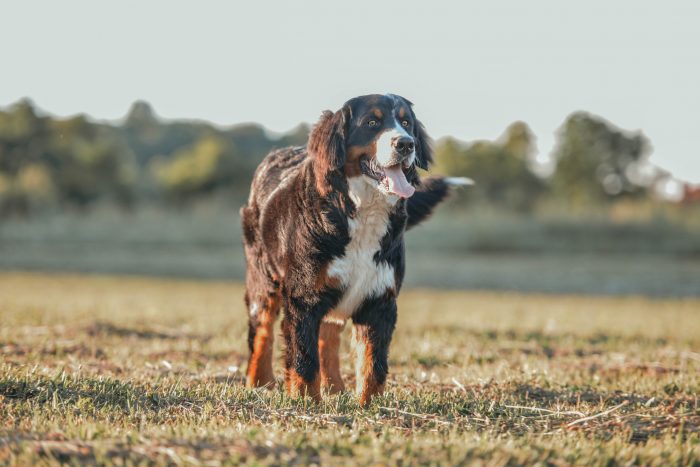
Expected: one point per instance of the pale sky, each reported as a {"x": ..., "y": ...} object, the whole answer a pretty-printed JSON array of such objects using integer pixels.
[{"x": 471, "y": 68}]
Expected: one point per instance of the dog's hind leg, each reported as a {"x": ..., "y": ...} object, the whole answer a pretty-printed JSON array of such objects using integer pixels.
[
  {"x": 328, "y": 347},
  {"x": 263, "y": 311},
  {"x": 262, "y": 298}
]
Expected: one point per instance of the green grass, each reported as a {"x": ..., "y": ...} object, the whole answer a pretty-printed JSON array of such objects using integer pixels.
[{"x": 131, "y": 370}]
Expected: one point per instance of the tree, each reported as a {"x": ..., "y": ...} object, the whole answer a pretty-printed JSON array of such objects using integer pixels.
[
  {"x": 501, "y": 168},
  {"x": 46, "y": 161},
  {"x": 212, "y": 162},
  {"x": 597, "y": 162}
]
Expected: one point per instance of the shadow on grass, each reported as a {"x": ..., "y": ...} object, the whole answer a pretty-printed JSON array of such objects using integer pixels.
[
  {"x": 103, "y": 328},
  {"x": 542, "y": 338},
  {"x": 55, "y": 447},
  {"x": 573, "y": 396},
  {"x": 89, "y": 393}
]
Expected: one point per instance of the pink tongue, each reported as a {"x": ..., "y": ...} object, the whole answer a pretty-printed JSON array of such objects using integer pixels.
[{"x": 397, "y": 182}]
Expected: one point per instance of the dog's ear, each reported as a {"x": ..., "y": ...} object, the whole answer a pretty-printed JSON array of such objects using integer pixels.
[
  {"x": 327, "y": 145},
  {"x": 424, "y": 144}
]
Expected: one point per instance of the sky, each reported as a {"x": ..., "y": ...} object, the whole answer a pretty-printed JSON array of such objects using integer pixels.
[{"x": 471, "y": 68}]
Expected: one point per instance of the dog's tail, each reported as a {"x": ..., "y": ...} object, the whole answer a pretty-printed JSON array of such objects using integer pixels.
[{"x": 429, "y": 194}]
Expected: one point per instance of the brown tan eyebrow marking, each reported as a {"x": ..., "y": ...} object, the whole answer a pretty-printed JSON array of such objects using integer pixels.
[
  {"x": 402, "y": 112},
  {"x": 377, "y": 113}
]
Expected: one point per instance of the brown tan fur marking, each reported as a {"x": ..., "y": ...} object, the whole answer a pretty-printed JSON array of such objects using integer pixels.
[
  {"x": 259, "y": 372},
  {"x": 366, "y": 385},
  {"x": 324, "y": 280},
  {"x": 297, "y": 386},
  {"x": 355, "y": 153},
  {"x": 328, "y": 348}
]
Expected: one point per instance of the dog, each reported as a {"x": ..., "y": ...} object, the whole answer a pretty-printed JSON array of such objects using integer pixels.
[{"x": 323, "y": 233}]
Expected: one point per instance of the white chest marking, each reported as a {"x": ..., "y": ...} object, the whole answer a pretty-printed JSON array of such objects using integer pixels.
[{"x": 357, "y": 271}]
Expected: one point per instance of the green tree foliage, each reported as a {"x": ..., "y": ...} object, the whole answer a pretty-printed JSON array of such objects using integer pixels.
[
  {"x": 90, "y": 162},
  {"x": 149, "y": 136},
  {"x": 210, "y": 163},
  {"x": 46, "y": 162},
  {"x": 596, "y": 162},
  {"x": 501, "y": 169},
  {"x": 184, "y": 160}
]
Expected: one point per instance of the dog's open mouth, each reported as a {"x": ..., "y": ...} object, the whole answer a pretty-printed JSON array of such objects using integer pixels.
[{"x": 389, "y": 179}]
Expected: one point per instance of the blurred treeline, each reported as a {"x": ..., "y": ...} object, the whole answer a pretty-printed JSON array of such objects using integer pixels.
[
  {"x": 49, "y": 163},
  {"x": 52, "y": 164}
]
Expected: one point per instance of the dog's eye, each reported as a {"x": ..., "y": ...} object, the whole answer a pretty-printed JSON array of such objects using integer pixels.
[
  {"x": 404, "y": 123},
  {"x": 372, "y": 123}
]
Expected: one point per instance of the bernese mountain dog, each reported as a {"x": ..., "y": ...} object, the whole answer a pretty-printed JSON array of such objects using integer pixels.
[{"x": 323, "y": 232}]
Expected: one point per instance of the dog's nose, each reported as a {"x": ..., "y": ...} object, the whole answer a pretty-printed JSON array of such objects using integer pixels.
[{"x": 404, "y": 145}]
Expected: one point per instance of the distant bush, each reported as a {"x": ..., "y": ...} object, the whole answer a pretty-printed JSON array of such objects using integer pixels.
[
  {"x": 200, "y": 168},
  {"x": 502, "y": 169},
  {"x": 46, "y": 162},
  {"x": 596, "y": 162}
]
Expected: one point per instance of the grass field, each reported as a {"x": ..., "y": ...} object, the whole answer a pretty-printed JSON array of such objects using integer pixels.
[{"x": 104, "y": 369}]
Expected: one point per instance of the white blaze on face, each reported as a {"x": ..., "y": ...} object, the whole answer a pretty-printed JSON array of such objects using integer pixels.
[{"x": 384, "y": 143}]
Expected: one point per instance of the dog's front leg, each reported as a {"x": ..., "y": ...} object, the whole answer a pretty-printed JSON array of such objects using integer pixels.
[
  {"x": 371, "y": 335},
  {"x": 300, "y": 326}
]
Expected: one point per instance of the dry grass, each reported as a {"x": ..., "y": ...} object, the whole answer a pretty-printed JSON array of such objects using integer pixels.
[{"x": 103, "y": 369}]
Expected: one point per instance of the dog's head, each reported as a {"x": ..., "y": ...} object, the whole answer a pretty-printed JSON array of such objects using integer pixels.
[{"x": 375, "y": 137}]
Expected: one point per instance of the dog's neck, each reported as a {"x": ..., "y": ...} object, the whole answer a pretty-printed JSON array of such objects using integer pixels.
[{"x": 366, "y": 197}]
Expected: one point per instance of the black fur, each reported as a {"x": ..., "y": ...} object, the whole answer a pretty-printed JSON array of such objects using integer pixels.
[
  {"x": 375, "y": 322},
  {"x": 429, "y": 194}
]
